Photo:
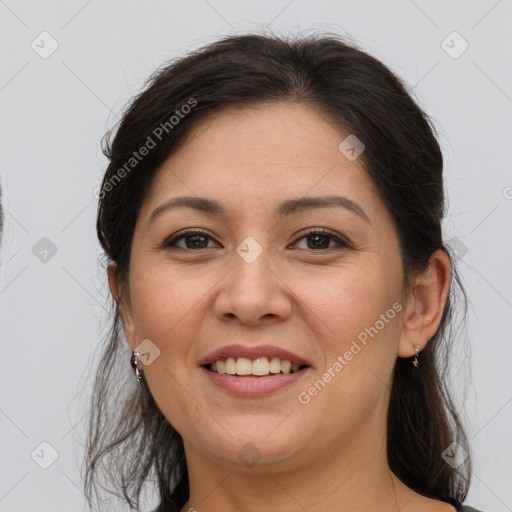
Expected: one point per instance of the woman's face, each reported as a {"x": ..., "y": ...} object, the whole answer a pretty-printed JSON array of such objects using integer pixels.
[{"x": 255, "y": 281}]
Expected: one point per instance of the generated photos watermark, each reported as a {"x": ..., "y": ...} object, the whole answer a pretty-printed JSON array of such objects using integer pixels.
[
  {"x": 305, "y": 397},
  {"x": 151, "y": 142}
]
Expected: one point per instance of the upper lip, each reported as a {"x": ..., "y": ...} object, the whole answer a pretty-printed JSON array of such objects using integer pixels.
[{"x": 252, "y": 353}]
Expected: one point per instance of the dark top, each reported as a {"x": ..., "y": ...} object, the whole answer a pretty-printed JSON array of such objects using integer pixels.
[{"x": 459, "y": 507}]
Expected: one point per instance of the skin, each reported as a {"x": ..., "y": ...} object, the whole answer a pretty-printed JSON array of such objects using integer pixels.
[{"x": 331, "y": 452}]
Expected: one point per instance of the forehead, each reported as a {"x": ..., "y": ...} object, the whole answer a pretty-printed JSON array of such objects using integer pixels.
[{"x": 254, "y": 157}]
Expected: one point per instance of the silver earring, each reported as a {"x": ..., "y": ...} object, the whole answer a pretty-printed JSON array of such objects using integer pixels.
[
  {"x": 415, "y": 361},
  {"x": 134, "y": 362}
]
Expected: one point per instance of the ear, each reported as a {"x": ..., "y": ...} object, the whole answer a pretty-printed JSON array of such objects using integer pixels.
[
  {"x": 124, "y": 303},
  {"x": 425, "y": 304}
]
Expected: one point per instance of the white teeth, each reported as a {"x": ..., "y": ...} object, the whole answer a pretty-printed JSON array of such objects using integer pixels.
[
  {"x": 243, "y": 366},
  {"x": 230, "y": 366},
  {"x": 260, "y": 366},
  {"x": 275, "y": 365},
  {"x": 286, "y": 366}
]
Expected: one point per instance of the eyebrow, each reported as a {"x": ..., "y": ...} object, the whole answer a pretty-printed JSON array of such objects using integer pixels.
[{"x": 284, "y": 209}]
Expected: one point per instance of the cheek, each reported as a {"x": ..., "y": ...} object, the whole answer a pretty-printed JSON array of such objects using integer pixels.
[
  {"x": 357, "y": 318},
  {"x": 168, "y": 305},
  {"x": 164, "y": 288},
  {"x": 348, "y": 298},
  {"x": 168, "y": 309}
]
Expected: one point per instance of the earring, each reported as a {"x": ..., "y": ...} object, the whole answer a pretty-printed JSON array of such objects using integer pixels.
[
  {"x": 134, "y": 362},
  {"x": 415, "y": 361}
]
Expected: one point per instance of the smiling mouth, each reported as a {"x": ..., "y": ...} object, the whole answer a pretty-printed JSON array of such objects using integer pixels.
[{"x": 259, "y": 367}]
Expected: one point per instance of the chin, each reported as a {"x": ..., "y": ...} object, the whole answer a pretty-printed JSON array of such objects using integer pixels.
[{"x": 253, "y": 442}]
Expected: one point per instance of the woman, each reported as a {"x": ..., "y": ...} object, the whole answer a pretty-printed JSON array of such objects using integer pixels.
[{"x": 271, "y": 216}]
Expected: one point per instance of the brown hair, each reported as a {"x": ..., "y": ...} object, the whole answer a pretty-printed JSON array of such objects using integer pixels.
[{"x": 129, "y": 438}]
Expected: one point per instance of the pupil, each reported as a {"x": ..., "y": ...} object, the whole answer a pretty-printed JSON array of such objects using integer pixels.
[
  {"x": 196, "y": 237},
  {"x": 319, "y": 245}
]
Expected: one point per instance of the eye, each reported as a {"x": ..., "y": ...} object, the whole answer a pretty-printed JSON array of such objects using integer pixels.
[
  {"x": 317, "y": 239},
  {"x": 192, "y": 240},
  {"x": 320, "y": 239}
]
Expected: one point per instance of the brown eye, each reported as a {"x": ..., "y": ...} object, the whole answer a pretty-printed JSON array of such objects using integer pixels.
[
  {"x": 321, "y": 240},
  {"x": 192, "y": 240}
]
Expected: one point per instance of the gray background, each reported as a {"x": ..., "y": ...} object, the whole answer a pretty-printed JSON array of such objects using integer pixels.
[{"x": 54, "y": 111}]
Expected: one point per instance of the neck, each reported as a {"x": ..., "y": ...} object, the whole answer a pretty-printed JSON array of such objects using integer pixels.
[{"x": 355, "y": 479}]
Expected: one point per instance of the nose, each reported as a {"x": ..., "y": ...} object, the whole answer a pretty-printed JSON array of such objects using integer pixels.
[{"x": 253, "y": 293}]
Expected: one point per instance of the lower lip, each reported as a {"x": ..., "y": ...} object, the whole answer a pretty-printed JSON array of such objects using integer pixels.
[{"x": 253, "y": 386}]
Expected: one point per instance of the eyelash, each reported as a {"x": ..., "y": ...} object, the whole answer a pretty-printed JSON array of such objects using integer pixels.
[{"x": 170, "y": 242}]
